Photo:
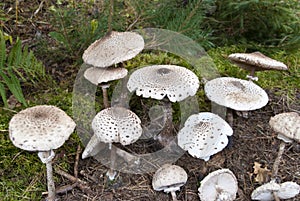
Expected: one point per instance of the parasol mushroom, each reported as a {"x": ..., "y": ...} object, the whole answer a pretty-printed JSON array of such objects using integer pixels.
[
  {"x": 204, "y": 134},
  {"x": 169, "y": 178},
  {"x": 256, "y": 61},
  {"x": 41, "y": 128}
]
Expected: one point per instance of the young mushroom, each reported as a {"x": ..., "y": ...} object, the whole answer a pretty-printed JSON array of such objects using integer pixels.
[
  {"x": 161, "y": 81},
  {"x": 41, "y": 128},
  {"x": 114, "y": 125},
  {"x": 204, "y": 134},
  {"x": 220, "y": 185},
  {"x": 255, "y": 61},
  {"x": 169, "y": 178}
]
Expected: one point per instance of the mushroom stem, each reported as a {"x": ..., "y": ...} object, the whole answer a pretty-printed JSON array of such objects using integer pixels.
[
  {"x": 113, "y": 155},
  {"x": 277, "y": 160},
  {"x": 276, "y": 198},
  {"x": 166, "y": 134},
  {"x": 105, "y": 96},
  {"x": 174, "y": 197}
]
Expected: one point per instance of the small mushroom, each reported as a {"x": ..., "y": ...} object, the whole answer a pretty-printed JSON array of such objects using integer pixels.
[
  {"x": 41, "y": 128},
  {"x": 115, "y": 125},
  {"x": 220, "y": 185},
  {"x": 288, "y": 190},
  {"x": 204, "y": 134},
  {"x": 255, "y": 61},
  {"x": 161, "y": 81},
  {"x": 169, "y": 178},
  {"x": 113, "y": 48}
]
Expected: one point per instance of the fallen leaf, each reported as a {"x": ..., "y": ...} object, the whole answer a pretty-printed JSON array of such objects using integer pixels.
[{"x": 262, "y": 174}]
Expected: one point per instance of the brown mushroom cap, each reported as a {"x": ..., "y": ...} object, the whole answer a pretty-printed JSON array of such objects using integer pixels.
[
  {"x": 40, "y": 128},
  {"x": 101, "y": 75},
  {"x": 256, "y": 60},
  {"x": 113, "y": 48}
]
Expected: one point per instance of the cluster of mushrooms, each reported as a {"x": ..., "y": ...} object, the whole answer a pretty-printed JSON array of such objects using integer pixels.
[{"x": 44, "y": 128}]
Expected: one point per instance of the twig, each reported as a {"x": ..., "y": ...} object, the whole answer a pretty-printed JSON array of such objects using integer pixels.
[{"x": 78, "y": 152}]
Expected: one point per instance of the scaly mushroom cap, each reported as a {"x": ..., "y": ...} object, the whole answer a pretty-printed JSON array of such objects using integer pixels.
[
  {"x": 288, "y": 190},
  {"x": 204, "y": 134},
  {"x": 40, "y": 128},
  {"x": 169, "y": 178},
  {"x": 102, "y": 75},
  {"x": 117, "y": 124},
  {"x": 287, "y": 125},
  {"x": 219, "y": 185},
  {"x": 237, "y": 94},
  {"x": 113, "y": 48},
  {"x": 265, "y": 192},
  {"x": 158, "y": 81},
  {"x": 256, "y": 60}
]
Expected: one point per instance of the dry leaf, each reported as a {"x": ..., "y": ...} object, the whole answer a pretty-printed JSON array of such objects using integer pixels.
[{"x": 261, "y": 174}]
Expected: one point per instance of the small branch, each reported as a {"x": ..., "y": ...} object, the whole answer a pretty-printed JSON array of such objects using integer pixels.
[{"x": 78, "y": 152}]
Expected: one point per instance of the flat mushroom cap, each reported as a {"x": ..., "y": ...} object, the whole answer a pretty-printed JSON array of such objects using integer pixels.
[
  {"x": 218, "y": 185},
  {"x": 288, "y": 190},
  {"x": 102, "y": 75},
  {"x": 158, "y": 81},
  {"x": 237, "y": 94},
  {"x": 204, "y": 134},
  {"x": 113, "y": 48},
  {"x": 256, "y": 60},
  {"x": 287, "y": 125},
  {"x": 40, "y": 128},
  {"x": 117, "y": 124},
  {"x": 169, "y": 178},
  {"x": 265, "y": 192}
]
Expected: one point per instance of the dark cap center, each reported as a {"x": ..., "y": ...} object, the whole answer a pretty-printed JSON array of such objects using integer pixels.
[{"x": 163, "y": 71}]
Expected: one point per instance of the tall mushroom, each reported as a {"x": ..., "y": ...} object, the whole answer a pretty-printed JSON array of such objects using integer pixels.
[
  {"x": 255, "y": 61},
  {"x": 204, "y": 134},
  {"x": 41, "y": 128},
  {"x": 220, "y": 185},
  {"x": 161, "y": 81},
  {"x": 169, "y": 178},
  {"x": 114, "y": 125}
]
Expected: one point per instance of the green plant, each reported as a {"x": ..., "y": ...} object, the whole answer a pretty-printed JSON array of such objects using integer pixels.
[{"x": 16, "y": 66}]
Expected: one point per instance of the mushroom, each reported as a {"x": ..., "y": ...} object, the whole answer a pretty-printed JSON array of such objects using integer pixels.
[
  {"x": 113, "y": 48},
  {"x": 274, "y": 191},
  {"x": 41, "y": 128},
  {"x": 114, "y": 124},
  {"x": 161, "y": 81},
  {"x": 204, "y": 134},
  {"x": 169, "y": 178},
  {"x": 256, "y": 61},
  {"x": 103, "y": 76},
  {"x": 220, "y": 185},
  {"x": 237, "y": 94}
]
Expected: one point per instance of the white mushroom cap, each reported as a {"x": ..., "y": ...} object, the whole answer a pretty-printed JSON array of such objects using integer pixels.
[
  {"x": 113, "y": 48},
  {"x": 220, "y": 185},
  {"x": 204, "y": 134},
  {"x": 169, "y": 178},
  {"x": 158, "y": 81},
  {"x": 237, "y": 94},
  {"x": 287, "y": 125},
  {"x": 40, "y": 128},
  {"x": 265, "y": 192},
  {"x": 288, "y": 190},
  {"x": 102, "y": 75},
  {"x": 256, "y": 60},
  {"x": 117, "y": 124}
]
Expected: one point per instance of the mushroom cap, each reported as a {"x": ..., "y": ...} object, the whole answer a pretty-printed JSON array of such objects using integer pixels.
[
  {"x": 265, "y": 192},
  {"x": 288, "y": 190},
  {"x": 237, "y": 94},
  {"x": 256, "y": 60},
  {"x": 204, "y": 134},
  {"x": 113, "y": 48},
  {"x": 218, "y": 185},
  {"x": 117, "y": 124},
  {"x": 92, "y": 148},
  {"x": 158, "y": 81},
  {"x": 102, "y": 75},
  {"x": 287, "y": 125},
  {"x": 169, "y": 178},
  {"x": 40, "y": 128}
]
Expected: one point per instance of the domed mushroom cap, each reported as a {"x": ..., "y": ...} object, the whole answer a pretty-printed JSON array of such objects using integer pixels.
[
  {"x": 265, "y": 192},
  {"x": 237, "y": 94},
  {"x": 169, "y": 178},
  {"x": 158, "y": 81},
  {"x": 102, "y": 75},
  {"x": 218, "y": 185},
  {"x": 204, "y": 134},
  {"x": 288, "y": 190},
  {"x": 113, "y": 48},
  {"x": 117, "y": 124},
  {"x": 287, "y": 125},
  {"x": 256, "y": 60},
  {"x": 40, "y": 128}
]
